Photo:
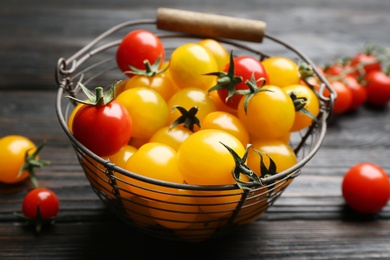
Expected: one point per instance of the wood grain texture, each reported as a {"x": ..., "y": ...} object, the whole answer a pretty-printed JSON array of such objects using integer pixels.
[{"x": 309, "y": 221}]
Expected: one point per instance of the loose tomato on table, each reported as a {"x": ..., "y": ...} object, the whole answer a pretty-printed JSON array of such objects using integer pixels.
[
  {"x": 344, "y": 97},
  {"x": 18, "y": 158},
  {"x": 363, "y": 63},
  {"x": 359, "y": 92},
  {"x": 102, "y": 125},
  {"x": 137, "y": 47},
  {"x": 366, "y": 188}
]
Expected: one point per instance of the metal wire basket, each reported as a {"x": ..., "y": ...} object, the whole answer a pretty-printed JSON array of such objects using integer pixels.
[{"x": 223, "y": 207}]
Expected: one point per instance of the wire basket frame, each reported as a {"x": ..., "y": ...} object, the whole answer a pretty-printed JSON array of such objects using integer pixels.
[{"x": 155, "y": 207}]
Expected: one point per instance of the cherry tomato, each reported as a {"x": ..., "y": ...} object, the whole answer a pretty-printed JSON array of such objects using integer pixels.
[
  {"x": 366, "y": 188},
  {"x": 344, "y": 97},
  {"x": 198, "y": 154},
  {"x": 202, "y": 228},
  {"x": 367, "y": 61},
  {"x": 44, "y": 199},
  {"x": 138, "y": 46},
  {"x": 244, "y": 67},
  {"x": 160, "y": 82},
  {"x": 157, "y": 161},
  {"x": 312, "y": 105},
  {"x": 13, "y": 149},
  {"x": 226, "y": 122},
  {"x": 378, "y": 88},
  {"x": 103, "y": 129},
  {"x": 177, "y": 211},
  {"x": 171, "y": 136},
  {"x": 137, "y": 208},
  {"x": 147, "y": 108},
  {"x": 280, "y": 152},
  {"x": 282, "y": 71},
  {"x": 188, "y": 98},
  {"x": 270, "y": 113},
  {"x": 219, "y": 52},
  {"x": 189, "y": 63},
  {"x": 359, "y": 92}
]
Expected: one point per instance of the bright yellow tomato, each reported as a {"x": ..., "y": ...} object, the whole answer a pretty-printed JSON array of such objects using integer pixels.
[
  {"x": 219, "y": 52},
  {"x": 280, "y": 152},
  {"x": 282, "y": 71},
  {"x": 188, "y": 64},
  {"x": 188, "y": 98},
  {"x": 157, "y": 161},
  {"x": 203, "y": 160},
  {"x": 13, "y": 149},
  {"x": 171, "y": 136},
  {"x": 226, "y": 122},
  {"x": 312, "y": 105},
  {"x": 137, "y": 209},
  {"x": 147, "y": 108},
  {"x": 177, "y": 211},
  {"x": 270, "y": 113},
  {"x": 161, "y": 83}
]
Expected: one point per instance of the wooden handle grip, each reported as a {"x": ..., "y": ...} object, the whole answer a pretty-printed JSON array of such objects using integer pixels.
[{"x": 210, "y": 25}]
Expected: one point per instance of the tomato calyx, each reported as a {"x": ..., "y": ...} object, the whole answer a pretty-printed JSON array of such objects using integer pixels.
[
  {"x": 38, "y": 222},
  {"x": 188, "y": 118},
  {"x": 253, "y": 90},
  {"x": 150, "y": 70},
  {"x": 99, "y": 98},
  {"x": 299, "y": 104},
  {"x": 31, "y": 162},
  {"x": 226, "y": 80}
]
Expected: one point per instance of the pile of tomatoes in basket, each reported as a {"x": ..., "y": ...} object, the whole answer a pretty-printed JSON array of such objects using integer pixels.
[{"x": 194, "y": 107}]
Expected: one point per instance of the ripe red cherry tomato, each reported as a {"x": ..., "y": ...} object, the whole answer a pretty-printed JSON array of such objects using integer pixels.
[
  {"x": 344, "y": 97},
  {"x": 45, "y": 199},
  {"x": 366, "y": 188},
  {"x": 138, "y": 46},
  {"x": 359, "y": 93},
  {"x": 378, "y": 88},
  {"x": 369, "y": 62},
  {"x": 244, "y": 66},
  {"x": 103, "y": 129}
]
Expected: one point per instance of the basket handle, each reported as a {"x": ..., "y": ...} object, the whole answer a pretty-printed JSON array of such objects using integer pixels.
[{"x": 210, "y": 25}]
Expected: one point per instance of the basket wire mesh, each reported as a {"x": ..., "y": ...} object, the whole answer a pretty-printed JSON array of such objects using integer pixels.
[{"x": 196, "y": 213}]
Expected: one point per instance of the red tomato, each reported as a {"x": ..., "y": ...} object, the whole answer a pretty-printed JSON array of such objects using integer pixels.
[
  {"x": 378, "y": 88},
  {"x": 244, "y": 66},
  {"x": 366, "y": 188},
  {"x": 344, "y": 97},
  {"x": 103, "y": 129},
  {"x": 367, "y": 61},
  {"x": 359, "y": 93},
  {"x": 44, "y": 199},
  {"x": 138, "y": 46}
]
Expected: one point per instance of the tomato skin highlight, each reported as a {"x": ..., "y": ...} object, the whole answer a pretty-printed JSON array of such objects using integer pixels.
[
  {"x": 103, "y": 129},
  {"x": 47, "y": 201},
  {"x": 13, "y": 149},
  {"x": 138, "y": 46},
  {"x": 366, "y": 188}
]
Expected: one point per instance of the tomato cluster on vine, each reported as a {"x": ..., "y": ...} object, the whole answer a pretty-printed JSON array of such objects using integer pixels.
[{"x": 362, "y": 79}]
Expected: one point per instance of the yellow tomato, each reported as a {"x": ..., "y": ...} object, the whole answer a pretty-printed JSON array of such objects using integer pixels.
[
  {"x": 203, "y": 160},
  {"x": 226, "y": 122},
  {"x": 219, "y": 52},
  {"x": 282, "y": 71},
  {"x": 188, "y": 64},
  {"x": 171, "y": 136},
  {"x": 156, "y": 161},
  {"x": 312, "y": 105},
  {"x": 148, "y": 110}
]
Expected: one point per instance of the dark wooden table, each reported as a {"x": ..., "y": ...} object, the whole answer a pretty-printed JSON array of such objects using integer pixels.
[{"x": 310, "y": 220}]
